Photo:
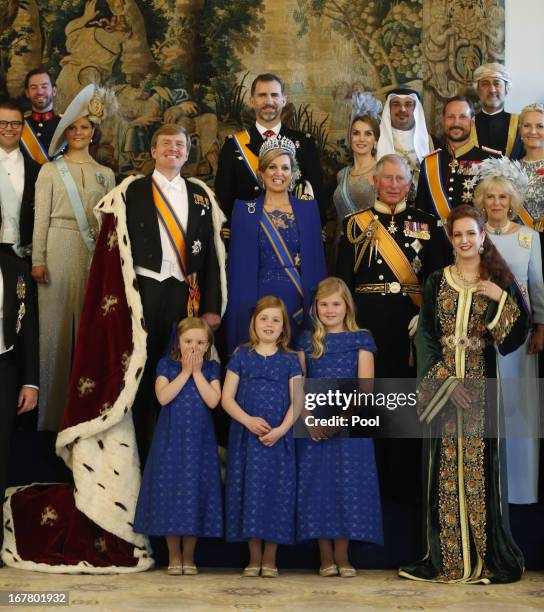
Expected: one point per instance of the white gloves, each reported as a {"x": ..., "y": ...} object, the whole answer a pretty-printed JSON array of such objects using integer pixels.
[{"x": 412, "y": 326}]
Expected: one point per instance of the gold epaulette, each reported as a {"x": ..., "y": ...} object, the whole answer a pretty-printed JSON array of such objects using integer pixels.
[
  {"x": 27, "y": 113},
  {"x": 432, "y": 153},
  {"x": 539, "y": 224},
  {"x": 490, "y": 150}
]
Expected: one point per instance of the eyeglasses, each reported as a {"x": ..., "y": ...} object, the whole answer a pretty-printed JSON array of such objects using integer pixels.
[{"x": 12, "y": 124}]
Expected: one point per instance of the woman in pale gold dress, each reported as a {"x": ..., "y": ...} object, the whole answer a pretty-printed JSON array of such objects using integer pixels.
[{"x": 62, "y": 245}]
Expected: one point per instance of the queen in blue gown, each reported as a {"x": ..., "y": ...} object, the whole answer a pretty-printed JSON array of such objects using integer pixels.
[{"x": 276, "y": 246}]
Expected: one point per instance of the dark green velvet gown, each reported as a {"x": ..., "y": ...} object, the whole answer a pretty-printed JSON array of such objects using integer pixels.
[{"x": 468, "y": 538}]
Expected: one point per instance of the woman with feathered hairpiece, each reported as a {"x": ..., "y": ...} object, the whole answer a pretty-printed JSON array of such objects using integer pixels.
[
  {"x": 499, "y": 197},
  {"x": 355, "y": 190},
  {"x": 276, "y": 247},
  {"x": 63, "y": 242}
]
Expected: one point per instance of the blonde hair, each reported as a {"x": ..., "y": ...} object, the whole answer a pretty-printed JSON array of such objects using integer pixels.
[
  {"x": 270, "y": 301},
  {"x": 530, "y": 108},
  {"x": 186, "y": 325},
  {"x": 516, "y": 201},
  {"x": 325, "y": 289}
]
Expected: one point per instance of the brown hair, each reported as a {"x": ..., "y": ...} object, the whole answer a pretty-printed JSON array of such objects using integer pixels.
[
  {"x": 12, "y": 105},
  {"x": 186, "y": 325},
  {"x": 326, "y": 288},
  {"x": 39, "y": 70},
  {"x": 171, "y": 129},
  {"x": 492, "y": 265},
  {"x": 270, "y": 301},
  {"x": 459, "y": 99},
  {"x": 267, "y": 77},
  {"x": 370, "y": 121}
]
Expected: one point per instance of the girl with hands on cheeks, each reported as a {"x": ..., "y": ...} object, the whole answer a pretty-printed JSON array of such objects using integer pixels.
[
  {"x": 261, "y": 471},
  {"x": 180, "y": 497}
]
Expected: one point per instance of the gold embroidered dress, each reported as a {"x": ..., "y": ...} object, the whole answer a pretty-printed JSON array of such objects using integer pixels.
[{"x": 468, "y": 538}]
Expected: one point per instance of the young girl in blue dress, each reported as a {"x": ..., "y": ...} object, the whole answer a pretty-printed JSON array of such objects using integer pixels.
[
  {"x": 180, "y": 496},
  {"x": 261, "y": 469},
  {"x": 338, "y": 496}
]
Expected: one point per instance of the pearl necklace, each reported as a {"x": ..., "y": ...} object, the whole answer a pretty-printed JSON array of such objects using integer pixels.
[
  {"x": 498, "y": 231},
  {"x": 87, "y": 161}
]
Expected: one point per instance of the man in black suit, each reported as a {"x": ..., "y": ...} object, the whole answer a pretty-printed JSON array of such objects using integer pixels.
[
  {"x": 19, "y": 361},
  {"x": 165, "y": 281},
  {"x": 494, "y": 127},
  {"x": 236, "y": 171},
  {"x": 18, "y": 174}
]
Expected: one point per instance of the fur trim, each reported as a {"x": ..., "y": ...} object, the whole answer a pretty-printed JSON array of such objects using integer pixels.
[
  {"x": 12, "y": 559},
  {"x": 218, "y": 219},
  {"x": 77, "y": 445}
]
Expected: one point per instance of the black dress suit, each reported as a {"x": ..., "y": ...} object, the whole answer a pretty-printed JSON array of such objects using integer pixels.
[
  {"x": 44, "y": 130},
  {"x": 20, "y": 330},
  {"x": 26, "y": 220},
  {"x": 492, "y": 131},
  {"x": 234, "y": 181},
  {"x": 165, "y": 303}
]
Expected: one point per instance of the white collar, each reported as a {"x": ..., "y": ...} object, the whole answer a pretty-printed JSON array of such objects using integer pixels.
[
  {"x": 164, "y": 182},
  {"x": 12, "y": 155},
  {"x": 386, "y": 209},
  {"x": 495, "y": 113},
  {"x": 276, "y": 129}
]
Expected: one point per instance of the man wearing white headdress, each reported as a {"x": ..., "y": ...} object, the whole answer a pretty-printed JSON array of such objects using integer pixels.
[
  {"x": 494, "y": 127},
  {"x": 403, "y": 129}
]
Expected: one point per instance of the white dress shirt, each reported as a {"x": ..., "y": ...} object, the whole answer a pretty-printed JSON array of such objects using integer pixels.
[
  {"x": 14, "y": 165},
  {"x": 276, "y": 129},
  {"x": 176, "y": 192}
]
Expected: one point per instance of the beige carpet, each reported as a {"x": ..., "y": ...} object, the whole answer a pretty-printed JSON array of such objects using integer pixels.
[{"x": 293, "y": 590}]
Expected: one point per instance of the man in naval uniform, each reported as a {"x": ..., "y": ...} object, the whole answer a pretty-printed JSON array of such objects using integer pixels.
[
  {"x": 385, "y": 254},
  {"x": 403, "y": 129},
  {"x": 447, "y": 176},
  {"x": 40, "y": 122},
  {"x": 236, "y": 172},
  {"x": 494, "y": 127}
]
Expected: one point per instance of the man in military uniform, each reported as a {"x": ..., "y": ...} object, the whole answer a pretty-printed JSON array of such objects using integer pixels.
[
  {"x": 385, "y": 254},
  {"x": 236, "y": 172},
  {"x": 494, "y": 127},
  {"x": 403, "y": 129},
  {"x": 447, "y": 176},
  {"x": 41, "y": 122}
]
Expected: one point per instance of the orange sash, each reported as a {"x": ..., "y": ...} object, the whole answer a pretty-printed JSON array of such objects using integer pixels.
[
  {"x": 32, "y": 145},
  {"x": 391, "y": 253}
]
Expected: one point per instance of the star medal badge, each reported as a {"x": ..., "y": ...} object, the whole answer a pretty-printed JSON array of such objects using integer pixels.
[
  {"x": 197, "y": 247},
  {"x": 298, "y": 260},
  {"x": 392, "y": 227},
  {"x": 454, "y": 164},
  {"x": 416, "y": 264},
  {"x": 20, "y": 314},
  {"x": 21, "y": 288}
]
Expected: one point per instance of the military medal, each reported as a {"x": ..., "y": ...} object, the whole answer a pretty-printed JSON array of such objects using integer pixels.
[
  {"x": 454, "y": 164},
  {"x": 392, "y": 227},
  {"x": 251, "y": 207},
  {"x": 525, "y": 240},
  {"x": 297, "y": 260},
  {"x": 416, "y": 264},
  {"x": 21, "y": 288}
]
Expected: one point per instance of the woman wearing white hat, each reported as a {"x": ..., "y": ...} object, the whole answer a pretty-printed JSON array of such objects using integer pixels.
[{"x": 63, "y": 242}]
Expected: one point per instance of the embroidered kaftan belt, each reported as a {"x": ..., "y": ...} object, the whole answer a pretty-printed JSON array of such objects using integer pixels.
[
  {"x": 384, "y": 288},
  {"x": 469, "y": 343}
]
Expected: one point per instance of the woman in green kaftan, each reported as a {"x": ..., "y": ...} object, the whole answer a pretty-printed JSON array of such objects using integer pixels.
[{"x": 467, "y": 308}]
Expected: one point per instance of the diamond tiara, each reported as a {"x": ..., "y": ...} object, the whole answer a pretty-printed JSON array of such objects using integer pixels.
[{"x": 281, "y": 143}]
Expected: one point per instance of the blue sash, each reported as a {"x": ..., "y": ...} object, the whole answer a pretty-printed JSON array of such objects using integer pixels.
[
  {"x": 285, "y": 258},
  {"x": 77, "y": 205},
  {"x": 350, "y": 206}
]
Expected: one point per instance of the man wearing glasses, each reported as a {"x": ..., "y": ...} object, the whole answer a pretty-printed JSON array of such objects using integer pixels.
[{"x": 18, "y": 174}]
